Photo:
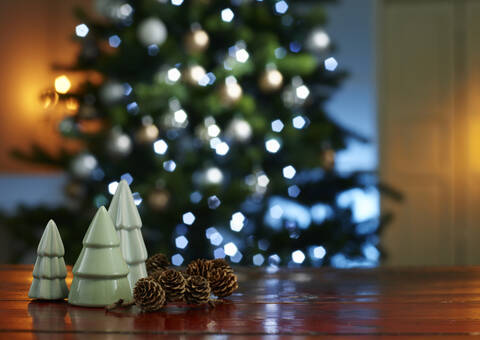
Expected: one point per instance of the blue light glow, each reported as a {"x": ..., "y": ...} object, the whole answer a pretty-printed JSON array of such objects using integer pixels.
[
  {"x": 298, "y": 256},
  {"x": 127, "y": 89},
  {"x": 299, "y": 122},
  {"x": 277, "y": 125},
  {"x": 292, "y": 211},
  {"x": 209, "y": 232},
  {"x": 319, "y": 252},
  {"x": 371, "y": 252},
  {"x": 289, "y": 172},
  {"x": 295, "y": 46},
  {"x": 219, "y": 253},
  {"x": 170, "y": 165},
  {"x": 222, "y": 148},
  {"x": 274, "y": 259},
  {"x": 230, "y": 249},
  {"x": 280, "y": 53},
  {"x": 227, "y": 15},
  {"x": 81, "y": 30},
  {"x": 258, "y": 259},
  {"x": 365, "y": 204},
  {"x": 272, "y": 145},
  {"x": 341, "y": 261},
  {"x": 177, "y": 260},
  {"x": 276, "y": 211},
  {"x": 181, "y": 229},
  {"x": 181, "y": 242},
  {"x": 152, "y": 50},
  {"x": 216, "y": 239},
  {"x": 330, "y": 64},
  {"x": 367, "y": 227},
  {"x": 114, "y": 41},
  {"x": 237, "y": 257},
  {"x": 237, "y": 221},
  {"x": 263, "y": 244},
  {"x": 137, "y": 199},
  {"x": 132, "y": 107},
  {"x": 127, "y": 177},
  {"x": 188, "y": 218},
  {"x": 320, "y": 212},
  {"x": 213, "y": 202},
  {"x": 160, "y": 147},
  {"x": 195, "y": 197},
  {"x": 293, "y": 191},
  {"x": 281, "y": 7},
  {"x": 98, "y": 174}
]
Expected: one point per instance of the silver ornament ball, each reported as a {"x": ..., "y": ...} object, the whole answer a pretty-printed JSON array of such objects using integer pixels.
[
  {"x": 119, "y": 143},
  {"x": 152, "y": 31}
]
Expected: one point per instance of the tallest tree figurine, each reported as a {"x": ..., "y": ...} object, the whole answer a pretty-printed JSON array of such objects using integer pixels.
[{"x": 127, "y": 221}]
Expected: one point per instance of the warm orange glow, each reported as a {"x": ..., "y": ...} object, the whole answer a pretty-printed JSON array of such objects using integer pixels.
[
  {"x": 95, "y": 78},
  {"x": 49, "y": 98},
  {"x": 92, "y": 125},
  {"x": 62, "y": 84},
  {"x": 72, "y": 105}
]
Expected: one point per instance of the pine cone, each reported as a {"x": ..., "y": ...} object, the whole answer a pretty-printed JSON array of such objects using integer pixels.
[
  {"x": 156, "y": 274},
  {"x": 197, "y": 290},
  {"x": 221, "y": 263},
  {"x": 148, "y": 295},
  {"x": 200, "y": 267},
  {"x": 173, "y": 284},
  {"x": 156, "y": 262},
  {"x": 223, "y": 282}
]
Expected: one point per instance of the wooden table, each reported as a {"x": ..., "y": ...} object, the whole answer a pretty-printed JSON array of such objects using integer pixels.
[{"x": 419, "y": 303}]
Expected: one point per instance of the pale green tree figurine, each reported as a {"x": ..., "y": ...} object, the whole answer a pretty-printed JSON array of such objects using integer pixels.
[
  {"x": 127, "y": 221},
  {"x": 100, "y": 273},
  {"x": 49, "y": 272}
]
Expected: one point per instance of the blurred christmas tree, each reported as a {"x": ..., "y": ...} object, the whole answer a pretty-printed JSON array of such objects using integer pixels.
[{"x": 214, "y": 111}]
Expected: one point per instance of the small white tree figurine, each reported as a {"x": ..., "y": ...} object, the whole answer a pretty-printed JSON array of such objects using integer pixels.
[
  {"x": 127, "y": 221},
  {"x": 49, "y": 272},
  {"x": 100, "y": 273}
]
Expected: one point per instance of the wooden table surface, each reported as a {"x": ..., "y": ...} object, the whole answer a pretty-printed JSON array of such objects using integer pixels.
[{"x": 393, "y": 303}]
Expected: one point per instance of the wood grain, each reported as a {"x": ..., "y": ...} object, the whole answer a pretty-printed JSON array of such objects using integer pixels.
[{"x": 392, "y": 303}]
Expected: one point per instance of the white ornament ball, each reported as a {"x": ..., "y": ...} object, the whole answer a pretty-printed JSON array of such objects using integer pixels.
[
  {"x": 152, "y": 31},
  {"x": 239, "y": 129},
  {"x": 83, "y": 165},
  {"x": 318, "y": 41}
]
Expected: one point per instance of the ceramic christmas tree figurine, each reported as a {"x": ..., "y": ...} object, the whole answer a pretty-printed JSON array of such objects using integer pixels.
[
  {"x": 127, "y": 221},
  {"x": 100, "y": 273},
  {"x": 49, "y": 272}
]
